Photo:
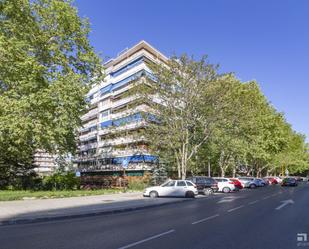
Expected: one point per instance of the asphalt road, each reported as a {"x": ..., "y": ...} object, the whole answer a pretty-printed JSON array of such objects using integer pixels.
[{"x": 270, "y": 217}]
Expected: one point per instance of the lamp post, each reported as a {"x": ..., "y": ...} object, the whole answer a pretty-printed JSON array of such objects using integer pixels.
[{"x": 209, "y": 167}]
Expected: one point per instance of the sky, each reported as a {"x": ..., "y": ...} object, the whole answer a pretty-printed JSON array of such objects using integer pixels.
[{"x": 264, "y": 40}]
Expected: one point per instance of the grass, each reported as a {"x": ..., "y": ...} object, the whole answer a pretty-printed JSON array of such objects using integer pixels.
[{"x": 10, "y": 195}]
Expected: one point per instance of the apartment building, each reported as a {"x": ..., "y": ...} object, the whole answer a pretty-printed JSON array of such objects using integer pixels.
[{"x": 111, "y": 137}]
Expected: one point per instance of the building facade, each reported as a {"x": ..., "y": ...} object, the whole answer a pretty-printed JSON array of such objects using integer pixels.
[{"x": 110, "y": 139}]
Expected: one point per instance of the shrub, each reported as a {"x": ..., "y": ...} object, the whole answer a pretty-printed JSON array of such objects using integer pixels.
[
  {"x": 61, "y": 181},
  {"x": 138, "y": 182}
]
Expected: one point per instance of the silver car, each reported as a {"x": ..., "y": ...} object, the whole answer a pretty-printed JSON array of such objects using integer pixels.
[{"x": 249, "y": 182}]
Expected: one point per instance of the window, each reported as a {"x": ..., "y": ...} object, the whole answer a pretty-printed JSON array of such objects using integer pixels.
[
  {"x": 169, "y": 184},
  {"x": 181, "y": 184},
  {"x": 189, "y": 183},
  {"x": 201, "y": 180},
  {"x": 104, "y": 114}
]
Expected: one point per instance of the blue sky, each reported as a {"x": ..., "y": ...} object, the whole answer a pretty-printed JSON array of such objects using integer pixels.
[{"x": 262, "y": 40}]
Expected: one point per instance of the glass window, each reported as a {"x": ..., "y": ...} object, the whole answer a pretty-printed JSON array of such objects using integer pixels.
[
  {"x": 169, "y": 184},
  {"x": 189, "y": 183},
  {"x": 181, "y": 184},
  {"x": 104, "y": 113},
  {"x": 200, "y": 180}
]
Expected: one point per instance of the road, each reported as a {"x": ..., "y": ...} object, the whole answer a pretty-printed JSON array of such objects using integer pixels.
[{"x": 269, "y": 217}]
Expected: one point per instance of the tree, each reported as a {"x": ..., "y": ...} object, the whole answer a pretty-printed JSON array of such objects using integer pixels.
[
  {"x": 47, "y": 67},
  {"x": 183, "y": 109}
]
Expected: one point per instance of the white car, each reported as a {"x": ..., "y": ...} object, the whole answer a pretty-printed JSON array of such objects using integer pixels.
[
  {"x": 179, "y": 188},
  {"x": 225, "y": 185}
]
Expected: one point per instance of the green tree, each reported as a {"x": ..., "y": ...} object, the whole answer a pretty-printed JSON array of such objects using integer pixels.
[
  {"x": 47, "y": 66},
  {"x": 180, "y": 97}
]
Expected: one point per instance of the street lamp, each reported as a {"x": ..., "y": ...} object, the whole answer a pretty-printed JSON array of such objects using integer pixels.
[{"x": 209, "y": 167}]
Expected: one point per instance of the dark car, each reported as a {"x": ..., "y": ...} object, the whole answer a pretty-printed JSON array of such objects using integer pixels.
[
  {"x": 205, "y": 185},
  {"x": 289, "y": 181}
]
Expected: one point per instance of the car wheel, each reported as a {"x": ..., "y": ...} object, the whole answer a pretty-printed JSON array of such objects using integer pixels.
[
  {"x": 189, "y": 194},
  {"x": 226, "y": 190},
  {"x": 153, "y": 194},
  {"x": 252, "y": 186},
  {"x": 208, "y": 191}
]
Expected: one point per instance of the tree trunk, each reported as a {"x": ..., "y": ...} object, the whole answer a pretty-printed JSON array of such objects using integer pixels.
[
  {"x": 234, "y": 171},
  {"x": 222, "y": 171}
]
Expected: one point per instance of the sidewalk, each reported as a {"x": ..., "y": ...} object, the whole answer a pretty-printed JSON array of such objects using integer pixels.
[{"x": 26, "y": 211}]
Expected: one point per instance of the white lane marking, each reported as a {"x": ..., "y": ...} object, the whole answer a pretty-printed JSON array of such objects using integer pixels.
[
  {"x": 284, "y": 203},
  {"x": 228, "y": 199},
  {"x": 274, "y": 194},
  {"x": 253, "y": 202},
  {"x": 147, "y": 239},
  {"x": 266, "y": 197},
  {"x": 208, "y": 218},
  {"x": 233, "y": 209}
]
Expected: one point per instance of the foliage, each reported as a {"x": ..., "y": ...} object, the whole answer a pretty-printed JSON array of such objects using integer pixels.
[
  {"x": 47, "y": 66},
  {"x": 178, "y": 96},
  {"x": 202, "y": 116},
  {"x": 60, "y": 181},
  {"x": 159, "y": 175},
  {"x": 138, "y": 183}
]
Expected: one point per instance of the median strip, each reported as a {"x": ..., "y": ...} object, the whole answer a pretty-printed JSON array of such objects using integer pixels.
[
  {"x": 147, "y": 239},
  {"x": 208, "y": 218},
  {"x": 233, "y": 209}
]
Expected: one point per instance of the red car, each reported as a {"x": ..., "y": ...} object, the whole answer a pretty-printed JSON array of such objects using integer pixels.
[
  {"x": 271, "y": 180},
  {"x": 237, "y": 183}
]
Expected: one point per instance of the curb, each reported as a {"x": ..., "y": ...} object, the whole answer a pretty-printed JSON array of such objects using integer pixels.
[{"x": 82, "y": 215}]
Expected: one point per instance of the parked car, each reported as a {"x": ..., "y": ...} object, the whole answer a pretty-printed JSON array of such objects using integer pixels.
[
  {"x": 248, "y": 182},
  {"x": 260, "y": 182},
  {"x": 225, "y": 185},
  {"x": 237, "y": 183},
  {"x": 179, "y": 188},
  {"x": 271, "y": 180},
  {"x": 289, "y": 181},
  {"x": 278, "y": 179},
  {"x": 205, "y": 185}
]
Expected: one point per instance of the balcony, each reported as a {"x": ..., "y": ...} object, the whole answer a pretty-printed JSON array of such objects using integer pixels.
[
  {"x": 90, "y": 115},
  {"x": 130, "y": 126},
  {"x": 129, "y": 152},
  {"x": 123, "y": 101},
  {"x": 140, "y": 108},
  {"x": 88, "y": 136},
  {"x": 88, "y": 146},
  {"x": 121, "y": 140}
]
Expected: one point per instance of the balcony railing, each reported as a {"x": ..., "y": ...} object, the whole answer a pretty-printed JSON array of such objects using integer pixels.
[
  {"x": 92, "y": 114},
  {"x": 88, "y": 136},
  {"x": 121, "y": 140},
  {"x": 88, "y": 146},
  {"x": 130, "y": 126}
]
